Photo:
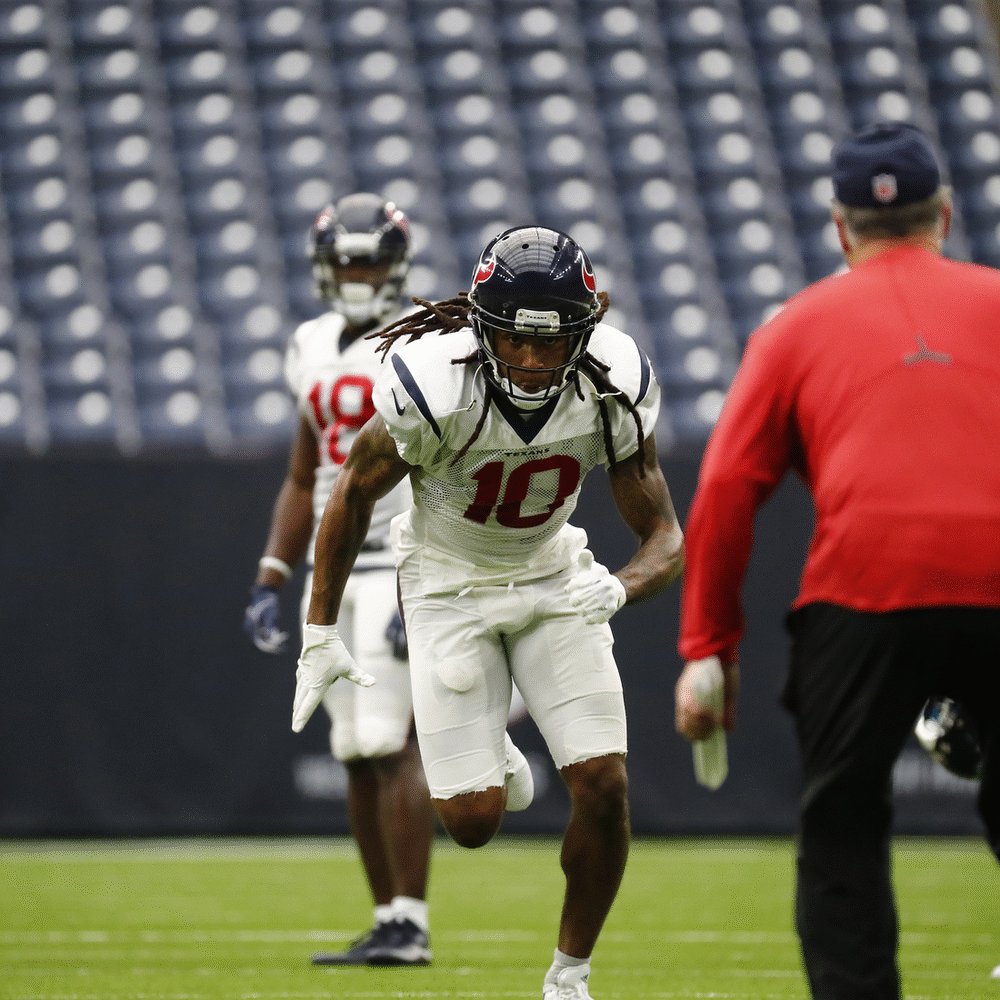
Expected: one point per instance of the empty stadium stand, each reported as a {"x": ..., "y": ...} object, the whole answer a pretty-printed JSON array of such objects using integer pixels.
[{"x": 161, "y": 161}]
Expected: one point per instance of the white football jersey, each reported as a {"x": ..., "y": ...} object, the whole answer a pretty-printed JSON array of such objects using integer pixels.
[
  {"x": 499, "y": 513},
  {"x": 333, "y": 387}
]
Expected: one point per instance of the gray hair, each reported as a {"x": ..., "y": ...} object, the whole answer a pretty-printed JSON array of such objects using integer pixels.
[{"x": 889, "y": 222}]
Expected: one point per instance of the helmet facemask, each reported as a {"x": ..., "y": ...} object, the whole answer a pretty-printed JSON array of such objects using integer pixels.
[
  {"x": 552, "y": 328},
  {"x": 533, "y": 282},
  {"x": 360, "y": 257}
]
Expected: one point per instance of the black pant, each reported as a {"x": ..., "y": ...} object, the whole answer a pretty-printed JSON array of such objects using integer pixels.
[{"x": 856, "y": 685}]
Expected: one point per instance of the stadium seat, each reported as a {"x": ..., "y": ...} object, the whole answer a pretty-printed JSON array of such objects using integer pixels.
[
  {"x": 109, "y": 71},
  {"x": 103, "y": 23},
  {"x": 279, "y": 27},
  {"x": 623, "y": 70},
  {"x": 958, "y": 69},
  {"x": 615, "y": 26},
  {"x": 941, "y": 27},
  {"x": 23, "y": 421},
  {"x": 535, "y": 73},
  {"x": 24, "y": 117},
  {"x": 857, "y": 27},
  {"x": 182, "y": 418},
  {"x": 25, "y": 71},
  {"x": 475, "y": 202},
  {"x": 452, "y": 74},
  {"x": 355, "y": 28},
  {"x": 171, "y": 369},
  {"x": 261, "y": 419},
  {"x": 445, "y": 25},
  {"x": 23, "y": 25},
  {"x": 253, "y": 368},
  {"x": 231, "y": 289},
  {"x": 286, "y": 72},
  {"x": 524, "y": 26},
  {"x": 693, "y": 26},
  {"x": 185, "y": 28},
  {"x": 692, "y": 417}
]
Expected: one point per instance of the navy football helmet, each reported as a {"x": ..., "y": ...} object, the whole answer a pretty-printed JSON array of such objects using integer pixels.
[
  {"x": 950, "y": 737},
  {"x": 538, "y": 282},
  {"x": 360, "y": 252}
]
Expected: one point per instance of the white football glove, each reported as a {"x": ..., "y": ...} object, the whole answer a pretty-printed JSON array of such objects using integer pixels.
[
  {"x": 595, "y": 593},
  {"x": 324, "y": 659}
]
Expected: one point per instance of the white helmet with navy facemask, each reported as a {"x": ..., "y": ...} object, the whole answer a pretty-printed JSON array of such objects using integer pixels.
[
  {"x": 538, "y": 282},
  {"x": 360, "y": 251}
]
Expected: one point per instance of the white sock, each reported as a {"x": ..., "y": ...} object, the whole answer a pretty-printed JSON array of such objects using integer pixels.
[
  {"x": 383, "y": 913},
  {"x": 409, "y": 908},
  {"x": 560, "y": 960}
]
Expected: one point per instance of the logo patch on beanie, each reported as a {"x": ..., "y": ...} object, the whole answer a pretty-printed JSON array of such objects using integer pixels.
[{"x": 884, "y": 188}]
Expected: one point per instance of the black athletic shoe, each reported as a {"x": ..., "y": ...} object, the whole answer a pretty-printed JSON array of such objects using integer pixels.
[
  {"x": 358, "y": 950},
  {"x": 404, "y": 944}
]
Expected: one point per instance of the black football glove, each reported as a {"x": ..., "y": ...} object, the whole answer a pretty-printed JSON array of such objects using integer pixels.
[
  {"x": 395, "y": 632},
  {"x": 262, "y": 619}
]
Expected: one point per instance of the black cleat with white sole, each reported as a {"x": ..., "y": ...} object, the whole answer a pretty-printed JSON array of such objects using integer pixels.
[
  {"x": 403, "y": 944},
  {"x": 357, "y": 951}
]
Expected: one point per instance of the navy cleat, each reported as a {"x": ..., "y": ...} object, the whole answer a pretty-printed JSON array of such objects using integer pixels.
[
  {"x": 358, "y": 950},
  {"x": 403, "y": 944}
]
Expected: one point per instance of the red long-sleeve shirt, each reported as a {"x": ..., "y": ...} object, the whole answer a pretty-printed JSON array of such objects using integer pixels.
[{"x": 881, "y": 388}]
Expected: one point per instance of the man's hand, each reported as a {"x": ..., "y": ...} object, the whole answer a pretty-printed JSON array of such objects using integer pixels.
[
  {"x": 594, "y": 592},
  {"x": 705, "y": 703},
  {"x": 705, "y": 697},
  {"x": 262, "y": 619},
  {"x": 395, "y": 633},
  {"x": 324, "y": 658}
]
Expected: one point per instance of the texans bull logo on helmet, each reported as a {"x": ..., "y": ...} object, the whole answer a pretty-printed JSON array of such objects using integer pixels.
[{"x": 485, "y": 269}]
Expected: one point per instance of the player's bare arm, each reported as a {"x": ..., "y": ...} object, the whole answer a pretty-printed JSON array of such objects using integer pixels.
[
  {"x": 646, "y": 507},
  {"x": 372, "y": 469},
  {"x": 291, "y": 521}
]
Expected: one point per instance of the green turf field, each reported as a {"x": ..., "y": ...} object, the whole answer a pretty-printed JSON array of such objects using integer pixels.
[{"x": 200, "y": 920}]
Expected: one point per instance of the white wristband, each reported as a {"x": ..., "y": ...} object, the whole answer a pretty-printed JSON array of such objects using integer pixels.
[
  {"x": 319, "y": 633},
  {"x": 279, "y": 565}
]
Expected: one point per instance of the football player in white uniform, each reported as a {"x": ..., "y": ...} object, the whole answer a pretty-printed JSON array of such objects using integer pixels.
[
  {"x": 360, "y": 253},
  {"x": 496, "y": 422}
]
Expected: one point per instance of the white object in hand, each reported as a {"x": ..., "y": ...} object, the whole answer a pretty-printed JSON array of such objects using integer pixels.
[{"x": 711, "y": 759}]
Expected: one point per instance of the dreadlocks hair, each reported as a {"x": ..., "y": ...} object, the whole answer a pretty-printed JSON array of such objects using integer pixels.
[
  {"x": 433, "y": 317},
  {"x": 452, "y": 314},
  {"x": 597, "y": 372}
]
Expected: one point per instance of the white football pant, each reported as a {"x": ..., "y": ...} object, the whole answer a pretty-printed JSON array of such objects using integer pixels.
[{"x": 465, "y": 651}]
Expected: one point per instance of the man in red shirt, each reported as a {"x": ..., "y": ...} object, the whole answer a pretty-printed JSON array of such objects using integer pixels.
[{"x": 880, "y": 387}]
